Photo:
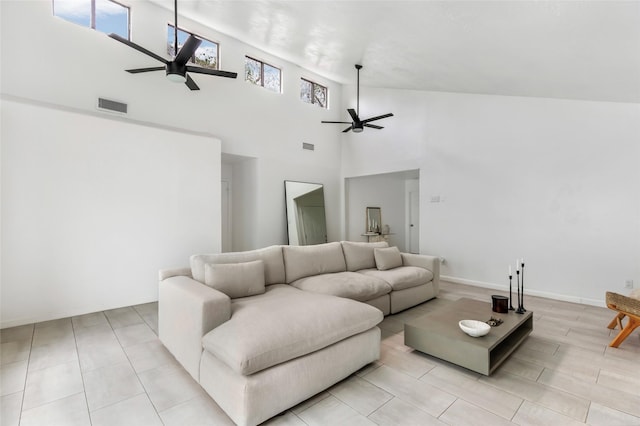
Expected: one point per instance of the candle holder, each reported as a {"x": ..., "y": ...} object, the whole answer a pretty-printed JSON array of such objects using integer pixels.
[
  {"x": 511, "y": 308},
  {"x": 520, "y": 309},
  {"x": 522, "y": 297}
]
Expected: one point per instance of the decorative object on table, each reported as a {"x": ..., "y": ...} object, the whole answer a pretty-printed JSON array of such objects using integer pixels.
[
  {"x": 474, "y": 328},
  {"x": 499, "y": 304},
  {"x": 494, "y": 322},
  {"x": 520, "y": 309},
  {"x": 511, "y": 308},
  {"x": 522, "y": 296},
  {"x": 386, "y": 230}
]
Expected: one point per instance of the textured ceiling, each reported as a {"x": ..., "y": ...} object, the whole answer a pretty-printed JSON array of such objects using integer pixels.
[{"x": 586, "y": 50}]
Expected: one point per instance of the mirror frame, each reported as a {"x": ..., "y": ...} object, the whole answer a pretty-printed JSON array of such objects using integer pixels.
[
  {"x": 292, "y": 191},
  {"x": 373, "y": 220}
]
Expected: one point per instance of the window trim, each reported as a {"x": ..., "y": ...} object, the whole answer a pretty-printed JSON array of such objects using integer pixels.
[
  {"x": 262, "y": 64},
  {"x": 193, "y": 57},
  {"x": 313, "y": 92}
]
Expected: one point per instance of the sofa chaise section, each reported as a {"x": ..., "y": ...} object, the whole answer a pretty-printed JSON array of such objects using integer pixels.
[{"x": 256, "y": 366}]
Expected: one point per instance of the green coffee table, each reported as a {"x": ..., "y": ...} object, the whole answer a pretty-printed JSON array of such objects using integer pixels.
[{"x": 438, "y": 334}]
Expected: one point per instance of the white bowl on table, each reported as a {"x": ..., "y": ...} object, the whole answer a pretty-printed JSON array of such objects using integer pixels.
[{"x": 474, "y": 328}]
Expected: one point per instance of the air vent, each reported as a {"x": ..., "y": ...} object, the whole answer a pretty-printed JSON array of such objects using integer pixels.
[
  {"x": 308, "y": 146},
  {"x": 112, "y": 106}
]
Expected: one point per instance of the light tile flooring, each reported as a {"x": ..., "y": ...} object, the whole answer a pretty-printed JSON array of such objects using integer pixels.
[{"x": 109, "y": 368}]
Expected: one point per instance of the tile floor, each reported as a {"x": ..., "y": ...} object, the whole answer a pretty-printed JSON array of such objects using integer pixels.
[{"x": 109, "y": 368}]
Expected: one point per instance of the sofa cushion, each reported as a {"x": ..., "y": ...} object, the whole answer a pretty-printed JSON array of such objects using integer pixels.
[
  {"x": 271, "y": 256},
  {"x": 285, "y": 323},
  {"x": 345, "y": 284},
  {"x": 387, "y": 258},
  {"x": 402, "y": 277},
  {"x": 359, "y": 255},
  {"x": 236, "y": 279},
  {"x": 304, "y": 261}
]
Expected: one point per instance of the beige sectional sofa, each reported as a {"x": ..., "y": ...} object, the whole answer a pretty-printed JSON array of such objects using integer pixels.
[{"x": 263, "y": 330}]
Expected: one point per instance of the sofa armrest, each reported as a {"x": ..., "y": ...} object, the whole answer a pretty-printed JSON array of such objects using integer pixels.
[
  {"x": 187, "y": 310},
  {"x": 431, "y": 263},
  {"x": 163, "y": 274}
]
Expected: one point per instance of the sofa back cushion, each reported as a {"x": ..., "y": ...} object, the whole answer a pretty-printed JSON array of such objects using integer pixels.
[
  {"x": 359, "y": 255},
  {"x": 236, "y": 279},
  {"x": 305, "y": 261},
  {"x": 387, "y": 258},
  {"x": 270, "y": 256}
]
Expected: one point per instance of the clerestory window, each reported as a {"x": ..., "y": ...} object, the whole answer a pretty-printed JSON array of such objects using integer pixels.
[
  {"x": 106, "y": 16},
  {"x": 313, "y": 93},
  {"x": 206, "y": 55},
  {"x": 262, "y": 74}
]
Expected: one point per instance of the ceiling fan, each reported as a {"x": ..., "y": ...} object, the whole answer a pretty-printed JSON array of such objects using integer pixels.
[
  {"x": 177, "y": 68},
  {"x": 358, "y": 125}
]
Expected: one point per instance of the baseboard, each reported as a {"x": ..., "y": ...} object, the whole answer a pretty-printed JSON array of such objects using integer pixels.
[
  {"x": 67, "y": 313},
  {"x": 545, "y": 294}
]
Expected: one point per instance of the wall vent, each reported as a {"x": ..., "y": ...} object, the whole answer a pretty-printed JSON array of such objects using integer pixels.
[
  {"x": 112, "y": 106},
  {"x": 308, "y": 146}
]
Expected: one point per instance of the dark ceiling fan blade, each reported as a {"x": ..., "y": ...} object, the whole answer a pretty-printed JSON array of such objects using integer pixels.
[
  {"x": 201, "y": 70},
  {"x": 354, "y": 116},
  {"x": 379, "y": 117},
  {"x": 191, "y": 84},
  {"x": 187, "y": 50},
  {"x": 373, "y": 126},
  {"x": 347, "y": 129},
  {"x": 138, "y": 70},
  {"x": 138, "y": 48},
  {"x": 337, "y": 122}
]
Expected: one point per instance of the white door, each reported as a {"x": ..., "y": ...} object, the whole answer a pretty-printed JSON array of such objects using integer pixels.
[
  {"x": 414, "y": 222},
  {"x": 225, "y": 206}
]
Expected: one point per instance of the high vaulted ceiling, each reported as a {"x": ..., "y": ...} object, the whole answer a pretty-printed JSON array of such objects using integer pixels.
[{"x": 588, "y": 50}]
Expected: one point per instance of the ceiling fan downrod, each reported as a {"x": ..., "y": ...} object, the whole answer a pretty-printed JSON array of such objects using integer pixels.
[{"x": 358, "y": 67}]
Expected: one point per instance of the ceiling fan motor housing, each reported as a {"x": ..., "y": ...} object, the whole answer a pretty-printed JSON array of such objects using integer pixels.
[{"x": 176, "y": 73}]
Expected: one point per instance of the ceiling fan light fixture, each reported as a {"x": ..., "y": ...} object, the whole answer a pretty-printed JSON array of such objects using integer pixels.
[
  {"x": 176, "y": 73},
  {"x": 357, "y": 129},
  {"x": 176, "y": 78}
]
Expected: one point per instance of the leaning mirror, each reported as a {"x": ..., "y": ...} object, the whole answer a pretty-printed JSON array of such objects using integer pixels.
[
  {"x": 306, "y": 222},
  {"x": 374, "y": 220}
]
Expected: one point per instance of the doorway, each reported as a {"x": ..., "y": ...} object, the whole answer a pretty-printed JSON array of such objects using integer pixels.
[
  {"x": 413, "y": 198},
  {"x": 225, "y": 206}
]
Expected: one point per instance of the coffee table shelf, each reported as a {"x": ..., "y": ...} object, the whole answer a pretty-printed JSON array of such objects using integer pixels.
[{"x": 437, "y": 334}]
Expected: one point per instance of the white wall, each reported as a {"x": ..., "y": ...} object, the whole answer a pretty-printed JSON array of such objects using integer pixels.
[
  {"x": 92, "y": 208},
  {"x": 66, "y": 66},
  {"x": 553, "y": 181},
  {"x": 76, "y": 65}
]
